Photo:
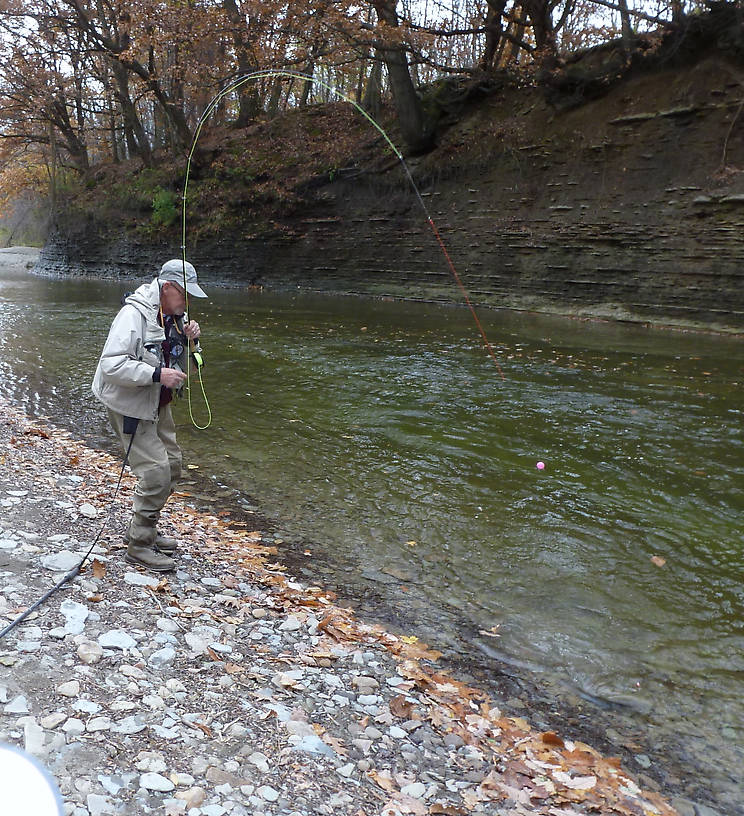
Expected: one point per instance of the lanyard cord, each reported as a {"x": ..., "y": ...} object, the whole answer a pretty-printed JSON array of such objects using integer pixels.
[{"x": 191, "y": 354}]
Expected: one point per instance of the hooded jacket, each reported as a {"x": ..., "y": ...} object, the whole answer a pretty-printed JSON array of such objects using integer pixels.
[{"x": 133, "y": 350}]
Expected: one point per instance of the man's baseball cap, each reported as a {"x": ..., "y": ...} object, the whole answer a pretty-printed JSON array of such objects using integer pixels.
[{"x": 175, "y": 270}]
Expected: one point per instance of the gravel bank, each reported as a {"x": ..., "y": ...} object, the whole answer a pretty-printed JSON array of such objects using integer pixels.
[{"x": 229, "y": 688}]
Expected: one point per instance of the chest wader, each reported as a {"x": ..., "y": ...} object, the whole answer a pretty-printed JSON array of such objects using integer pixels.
[{"x": 155, "y": 459}]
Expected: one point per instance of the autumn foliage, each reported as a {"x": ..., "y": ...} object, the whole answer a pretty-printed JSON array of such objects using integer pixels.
[{"x": 89, "y": 81}]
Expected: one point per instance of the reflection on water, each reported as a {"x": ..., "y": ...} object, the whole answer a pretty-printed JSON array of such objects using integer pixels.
[{"x": 383, "y": 432}]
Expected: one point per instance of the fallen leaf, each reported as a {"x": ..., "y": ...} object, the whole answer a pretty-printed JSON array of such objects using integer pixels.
[
  {"x": 383, "y": 779},
  {"x": 409, "y": 639},
  {"x": 575, "y": 782},
  {"x": 551, "y": 738},
  {"x": 36, "y": 432},
  {"x": 445, "y": 810},
  {"x": 98, "y": 567},
  {"x": 401, "y": 707},
  {"x": 658, "y": 560}
]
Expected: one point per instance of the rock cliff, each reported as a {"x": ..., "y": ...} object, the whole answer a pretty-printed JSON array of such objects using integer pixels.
[{"x": 629, "y": 205}]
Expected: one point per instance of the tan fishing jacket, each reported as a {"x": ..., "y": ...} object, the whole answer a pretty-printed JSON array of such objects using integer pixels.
[{"x": 132, "y": 352}]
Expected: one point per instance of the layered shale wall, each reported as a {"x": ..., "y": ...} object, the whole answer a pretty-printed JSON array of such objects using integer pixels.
[{"x": 630, "y": 206}]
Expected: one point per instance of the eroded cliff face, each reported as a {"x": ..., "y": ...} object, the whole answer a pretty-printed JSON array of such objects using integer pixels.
[{"x": 630, "y": 206}]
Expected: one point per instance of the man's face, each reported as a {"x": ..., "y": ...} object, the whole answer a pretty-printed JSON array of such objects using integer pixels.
[{"x": 172, "y": 298}]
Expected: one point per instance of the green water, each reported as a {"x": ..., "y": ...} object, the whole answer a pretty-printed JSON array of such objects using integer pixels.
[{"x": 381, "y": 435}]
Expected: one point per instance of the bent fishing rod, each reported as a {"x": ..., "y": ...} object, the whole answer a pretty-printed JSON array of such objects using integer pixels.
[{"x": 275, "y": 73}]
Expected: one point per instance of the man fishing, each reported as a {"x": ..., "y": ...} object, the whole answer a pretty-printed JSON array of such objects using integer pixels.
[{"x": 142, "y": 365}]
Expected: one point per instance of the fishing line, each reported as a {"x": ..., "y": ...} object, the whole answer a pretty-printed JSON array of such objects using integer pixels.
[
  {"x": 76, "y": 569},
  {"x": 275, "y": 73}
]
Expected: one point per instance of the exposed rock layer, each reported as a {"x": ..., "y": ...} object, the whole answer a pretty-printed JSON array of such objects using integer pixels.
[{"x": 630, "y": 206}]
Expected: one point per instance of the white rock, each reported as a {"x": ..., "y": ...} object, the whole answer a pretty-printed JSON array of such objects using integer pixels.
[
  {"x": 74, "y": 726},
  {"x": 8, "y": 544},
  {"x": 117, "y": 639},
  {"x": 415, "y": 789},
  {"x": 18, "y": 705},
  {"x": 167, "y": 625},
  {"x": 62, "y": 561},
  {"x": 130, "y": 725},
  {"x": 86, "y": 706},
  {"x": 198, "y": 645},
  {"x": 99, "y": 724},
  {"x": 163, "y": 657},
  {"x": 88, "y": 511},
  {"x": 110, "y": 784},
  {"x": 346, "y": 770},
  {"x": 75, "y": 615},
  {"x": 140, "y": 579},
  {"x": 292, "y": 624},
  {"x": 52, "y": 720},
  {"x": 152, "y": 761},
  {"x": 69, "y": 689},
  {"x": 28, "y": 645},
  {"x": 260, "y": 761},
  {"x": 18, "y": 493},
  {"x": 268, "y": 793},
  {"x": 33, "y": 738},
  {"x": 156, "y": 782},
  {"x": 99, "y": 805},
  {"x": 313, "y": 744},
  {"x": 397, "y": 733},
  {"x": 213, "y": 810}
]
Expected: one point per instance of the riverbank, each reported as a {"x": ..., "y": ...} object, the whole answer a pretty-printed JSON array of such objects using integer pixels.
[{"x": 228, "y": 687}]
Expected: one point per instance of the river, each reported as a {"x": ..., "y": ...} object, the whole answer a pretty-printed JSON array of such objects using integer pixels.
[{"x": 379, "y": 438}]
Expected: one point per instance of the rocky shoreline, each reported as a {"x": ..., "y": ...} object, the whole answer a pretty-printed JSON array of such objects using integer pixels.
[{"x": 228, "y": 687}]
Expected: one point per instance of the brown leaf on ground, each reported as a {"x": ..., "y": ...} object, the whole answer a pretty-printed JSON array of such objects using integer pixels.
[
  {"x": 383, "y": 779},
  {"x": 37, "y": 432},
  {"x": 98, "y": 568},
  {"x": 400, "y": 707},
  {"x": 438, "y": 809},
  {"x": 551, "y": 738}
]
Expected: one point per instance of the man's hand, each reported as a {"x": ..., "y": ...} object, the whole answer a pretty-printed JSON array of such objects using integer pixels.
[
  {"x": 192, "y": 330},
  {"x": 172, "y": 377}
]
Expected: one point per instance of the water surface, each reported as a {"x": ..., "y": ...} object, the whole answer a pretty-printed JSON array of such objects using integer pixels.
[{"x": 381, "y": 434}]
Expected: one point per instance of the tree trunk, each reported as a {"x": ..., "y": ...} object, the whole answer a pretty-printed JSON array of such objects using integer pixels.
[
  {"x": 372, "y": 99},
  {"x": 137, "y": 140},
  {"x": 249, "y": 101},
  {"x": 416, "y": 134},
  {"x": 627, "y": 27},
  {"x": 494, "y": 33},
  {"x": 307, "y": 85}
]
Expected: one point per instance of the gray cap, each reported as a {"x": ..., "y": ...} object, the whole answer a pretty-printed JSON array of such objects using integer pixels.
[{"x": 176, "y": 270}]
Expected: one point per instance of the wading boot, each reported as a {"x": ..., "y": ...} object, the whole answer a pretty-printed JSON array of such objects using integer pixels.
[
  {"x": 149, "y": 557},
  {"x": 166, "y": 545}
]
